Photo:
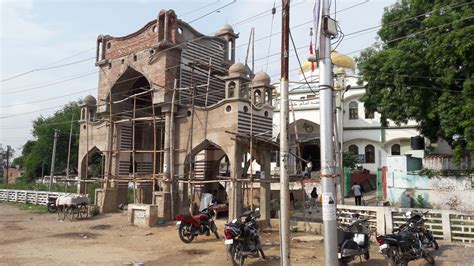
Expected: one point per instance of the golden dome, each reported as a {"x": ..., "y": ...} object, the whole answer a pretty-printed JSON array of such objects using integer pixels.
[{"x": 338, "y": 59}]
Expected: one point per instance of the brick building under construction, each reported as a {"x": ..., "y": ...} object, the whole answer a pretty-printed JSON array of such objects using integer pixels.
[{"x": 177, "y": 117}]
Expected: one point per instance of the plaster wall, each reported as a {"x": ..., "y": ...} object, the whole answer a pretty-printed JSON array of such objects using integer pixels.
[{"x": 443, "y": 192}]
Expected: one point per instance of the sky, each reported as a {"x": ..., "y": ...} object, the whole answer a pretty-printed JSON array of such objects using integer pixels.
[{"x": 38, "y": 34}]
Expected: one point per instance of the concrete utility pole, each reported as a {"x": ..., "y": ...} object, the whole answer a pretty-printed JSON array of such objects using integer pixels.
[
  {"x": 327, "y": 148},
  {"x": 8, "y": 162},
  {"x": 284, "y": 149},
  {"x": 53, "y": 158},
  {"x": 69, "y": 154}
]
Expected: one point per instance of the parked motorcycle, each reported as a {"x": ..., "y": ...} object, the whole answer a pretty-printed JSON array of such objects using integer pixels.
[
  {"x": 190, "y": 227},
  {"x": 402, "y": 246},
  {"x": 416, "y": 222},
  {"x": 353, "y": 240},
  {"x": 242, "y": 238},
  {"x": 52, "y": 207}
]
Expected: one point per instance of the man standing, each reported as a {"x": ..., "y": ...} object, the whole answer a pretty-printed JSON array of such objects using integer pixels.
[
  {"x": 314, "y": 199},
  {"x": 309, "y": 168},
  {"x": 357, "y": 191}
]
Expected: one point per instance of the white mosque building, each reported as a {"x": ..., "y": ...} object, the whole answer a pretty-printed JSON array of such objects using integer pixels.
[{"x": 360, "y": 131}]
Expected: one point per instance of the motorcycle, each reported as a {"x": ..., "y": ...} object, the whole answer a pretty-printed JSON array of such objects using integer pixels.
[
  {"x": 242, "y": 238},
  {"x": 353, "y": 240},
  {"x": 190, "y": 227},
  {"x": 52, "y": 207},
  {"x": 402, "y": 246},
  {"x": 426, "y": 236}
]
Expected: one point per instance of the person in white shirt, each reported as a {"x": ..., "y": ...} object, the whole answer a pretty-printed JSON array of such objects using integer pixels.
[
  {"x": 309, "y": 168},
  {"x": 357, "y": 191}
]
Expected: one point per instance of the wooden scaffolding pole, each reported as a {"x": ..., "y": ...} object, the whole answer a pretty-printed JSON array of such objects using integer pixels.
[
  {"x": 133, "y": 148},
  {"x": 154, "y": 149},
  {"x": 191, "y": 185},
  {"x": 171, "y": 166}
]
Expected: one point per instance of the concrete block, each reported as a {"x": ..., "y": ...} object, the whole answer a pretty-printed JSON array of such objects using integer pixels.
[{"x": 144, "y": 215}]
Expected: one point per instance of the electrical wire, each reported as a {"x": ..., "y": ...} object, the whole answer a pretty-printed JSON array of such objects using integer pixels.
[{"x": 300, "y": 62}]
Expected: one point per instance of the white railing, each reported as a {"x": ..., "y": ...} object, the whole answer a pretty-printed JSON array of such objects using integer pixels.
[
  {"x": 448, "y": 225},
  {"x": 27, "y": 196}
]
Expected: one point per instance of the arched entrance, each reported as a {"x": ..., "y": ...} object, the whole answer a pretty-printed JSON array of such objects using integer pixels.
[
  {"x": 92, "y": 164},
  {"x": 210, "y": 165},
  {"x": 133, "y": 112},
  {"x": 306, "y": 134}
]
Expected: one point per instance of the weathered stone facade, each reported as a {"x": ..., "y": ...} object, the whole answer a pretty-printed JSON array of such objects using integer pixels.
[{"x": 143, "y": 134}]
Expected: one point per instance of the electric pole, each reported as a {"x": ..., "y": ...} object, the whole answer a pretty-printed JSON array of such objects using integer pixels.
[
  {"x": 68, "y": 154},
  {"x": 53, "y": 157},
  {"x": 327, "y": 148},
  {"x": 284, "y": 149},
  {"x": 8, "y": 162}
]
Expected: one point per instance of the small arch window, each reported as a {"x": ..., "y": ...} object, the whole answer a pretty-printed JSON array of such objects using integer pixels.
[
  {"x": 353, "y": 110},
  {"x": 257, "y": 97},
  {"x": 231, "y": 90},
  {"x": 109, "y": 45},
  {"x": 353, "y": 150},
  {"x": 180, "y": 30},
  {"x": 369, "y": 154},
  {"x": 395, "y": 150},
  {"x": 229, "y": 50},
  {"x": 243, "y": 91},
  {"x": 154, "y": 29},
  {"x": 267, "y": 96}
]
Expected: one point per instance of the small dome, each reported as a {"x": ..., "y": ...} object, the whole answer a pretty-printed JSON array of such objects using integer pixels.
[
  {"x": 237, "y": 68},
  {"x": 226, "y": 27},
  {"x": 342, "y": 60},
  {"x": 338, "y": 59},
  {"x": 341, "y": 71},
  {"x": 89, "y": 100},
  {"x": 261, "y": 77}
]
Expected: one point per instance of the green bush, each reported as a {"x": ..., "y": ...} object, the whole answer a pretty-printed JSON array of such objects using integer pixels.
[
  {"x": 420, "y": 202},
  {"x": 95, "y": 210}
]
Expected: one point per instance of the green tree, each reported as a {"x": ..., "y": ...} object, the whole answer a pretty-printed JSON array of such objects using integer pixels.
[
  {"x": 36, "y": 154},
  {"x": 422, "y": 68}
]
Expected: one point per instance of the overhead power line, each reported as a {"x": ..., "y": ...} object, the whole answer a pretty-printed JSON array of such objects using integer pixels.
[{"x": 46, "y": 68}]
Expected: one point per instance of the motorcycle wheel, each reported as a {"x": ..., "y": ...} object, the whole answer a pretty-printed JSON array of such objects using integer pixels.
[
  {"x": 261, "y": 253},
  {"x": 366, "y": 255},
  {"x": 435, "y": 244},
  {"x": 185, "y": 233},
  {"x": 429, "y": 258},
  {"x": 342, "y": 262},
  {"x": 393, "y": 256},
  {"x": 231, "y": 252},
  {"x": 242, "y": 260},
  {"x": 52, "y": 208}
]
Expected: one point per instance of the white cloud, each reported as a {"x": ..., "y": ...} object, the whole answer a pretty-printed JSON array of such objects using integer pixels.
[{"x": 18, "y": 23}]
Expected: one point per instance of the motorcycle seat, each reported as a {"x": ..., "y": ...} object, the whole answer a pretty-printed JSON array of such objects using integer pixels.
[{"x": 200, "y": 217}]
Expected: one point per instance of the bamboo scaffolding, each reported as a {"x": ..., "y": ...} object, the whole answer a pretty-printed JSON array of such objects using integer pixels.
[
  {"x": 147, "y": 118},
  {"x": 133, "y": 148},
  {"x": 190, "y": 185},
  {"x": 171, "y": 166},
  {"x": 154, "y": 149}
]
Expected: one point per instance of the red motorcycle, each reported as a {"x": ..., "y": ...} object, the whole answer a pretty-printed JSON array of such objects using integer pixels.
[{"x": 190, "y": 227}]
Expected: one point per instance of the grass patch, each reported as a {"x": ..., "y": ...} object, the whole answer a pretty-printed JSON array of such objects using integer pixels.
[{"x": 29, "y": 207}]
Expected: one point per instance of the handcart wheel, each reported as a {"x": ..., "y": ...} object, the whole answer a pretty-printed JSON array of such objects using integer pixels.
[
  {"x": 61, "y": 213},
  {"x": 70, "y": 213},
  {"x": 83, "y": 211}
]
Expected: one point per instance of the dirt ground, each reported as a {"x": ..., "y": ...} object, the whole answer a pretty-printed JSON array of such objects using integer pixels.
[{"x": 38, "y": 238}]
